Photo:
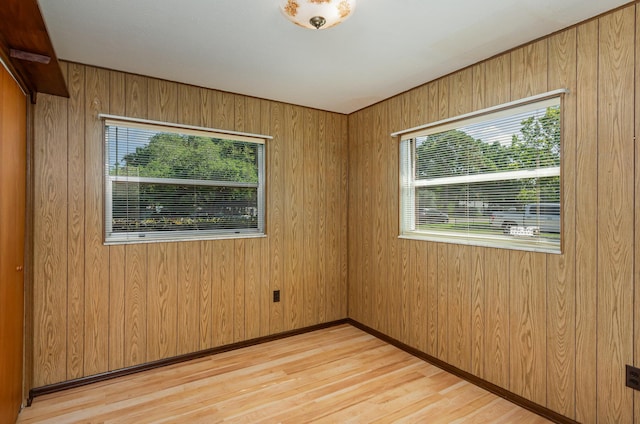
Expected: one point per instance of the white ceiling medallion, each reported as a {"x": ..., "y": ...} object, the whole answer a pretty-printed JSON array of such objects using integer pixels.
[{"x": 317, "y": 14}]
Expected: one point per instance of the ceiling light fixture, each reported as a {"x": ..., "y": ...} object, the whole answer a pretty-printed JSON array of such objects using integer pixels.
[{"x": 317, "y": 14}]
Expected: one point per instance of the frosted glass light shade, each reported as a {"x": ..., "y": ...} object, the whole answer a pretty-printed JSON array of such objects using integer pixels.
[{"x": 317, "y": 14}]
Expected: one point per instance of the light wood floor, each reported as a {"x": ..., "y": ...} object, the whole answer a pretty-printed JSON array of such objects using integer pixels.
[{"x": 336, "y": 375}]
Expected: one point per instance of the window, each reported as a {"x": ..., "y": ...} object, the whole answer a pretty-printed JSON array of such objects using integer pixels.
[
  {"x": 166, "y": 183},
  {"x": 489, "y": 179}
]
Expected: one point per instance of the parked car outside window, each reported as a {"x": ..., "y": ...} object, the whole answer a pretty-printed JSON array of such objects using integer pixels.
[{"x": 431, "y": 215}]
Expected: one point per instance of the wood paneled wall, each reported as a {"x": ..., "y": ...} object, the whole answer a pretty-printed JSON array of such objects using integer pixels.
[
  {"x": 556, "y": 329},
  {"x": 99, "y": 308}
]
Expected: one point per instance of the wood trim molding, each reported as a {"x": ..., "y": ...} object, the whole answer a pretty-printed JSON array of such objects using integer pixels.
[
  {"x": 22, "y": 29},
  {"x": 6, "y": 61},
  {"x": 497, "y": 390},
  {"x": 57, "y": 387}
]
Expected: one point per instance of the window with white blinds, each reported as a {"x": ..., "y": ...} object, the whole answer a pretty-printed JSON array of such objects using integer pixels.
[
  {"x": 165, "y": 183},
  {"x": 487, "y": 180}
]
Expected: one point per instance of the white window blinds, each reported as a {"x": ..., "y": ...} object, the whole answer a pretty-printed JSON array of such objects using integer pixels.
[
  {"x": 167, "y": 183},
  {"x": 489, "y": 180}
]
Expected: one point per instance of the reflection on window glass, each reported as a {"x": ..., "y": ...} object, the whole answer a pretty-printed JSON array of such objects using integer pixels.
[
  {"x": 164, "y": 185},
  {"x": 492, "y": 180}
]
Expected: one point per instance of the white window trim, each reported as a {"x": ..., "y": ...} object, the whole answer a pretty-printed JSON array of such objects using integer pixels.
[
  {"x": 408, "y": 133},
  {"x": 190, "y": 235},
  {"x": 185, "y": 129},
  {"x": 408, "y": 184}
]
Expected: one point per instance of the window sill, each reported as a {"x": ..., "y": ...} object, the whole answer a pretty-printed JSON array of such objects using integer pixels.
[
  {"x": 189, "y": 238},
  {"x": 541, "y": 247}
]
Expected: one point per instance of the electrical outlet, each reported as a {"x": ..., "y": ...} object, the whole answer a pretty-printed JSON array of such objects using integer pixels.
[
  {"x": 633, "y": 377},
  {"x": 276, "y": 296}
]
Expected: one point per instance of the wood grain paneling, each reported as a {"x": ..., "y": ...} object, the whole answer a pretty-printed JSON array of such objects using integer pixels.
[
  {"x": 394, "y": 301},
  {"x": 342, "y": 216},
  {"x": 276, "y": 222},
  {"x": 403, "y": 309},
  {"x": 556, "y": 329},
  {"x": 354, "y": 213},
  {"x": 311, "y": 218},
  {"x": 529, "y": 70},
  {"x": 252, "y": 266},
  {"x": 135, "y": 306},
  {"x": 498, "y": 80},
  {"x": 561, "y": 289},
  {"x": 96, "y": 310},
  {"x": 458, "y": 282},
  {"x": 442, "y": 261},
  {"x": 222, "y": 292},
  {"x": 496, "y": 346},
  {"x": 496, "y": 270},
  {"x": 414, "y": 295},
  {"x": 636, "y": 259},
  {"x": 443, "y": 300},
  {"x": 75, "y": 217},
  {"x": 332, "y": 273},
  {"x": 162, "y": 100},
  {"x": 293, "y": 296},
  {"x": 528, "y": 349},
  {"x": 379, "y": 197},
  {"x": 527, "y": 271},
  {"x": 117, "y": 291},
  {"x": 135, "y": 255},
  {"x": 615, "y": 217},
  {"x": 189, "y": 309},
  {"x": 224, "y": 110},
  {"x": 366, "y": 215},
  {"x": 239, "y": 290},
  {"x": 459, "y": 276},
  {"x": 165, "y": 293},
  {"x": 50, "y": 241},
  {"x": 478, "y": 289},
  {"x": 414, "y": 290},
  {"x": 433, "y": 313},
  {"x": 265, "y": 244},
  {"x": 253, "y": 247},
  {"x": 163, "y": 301},
  {"x": 319, "y": 303},
  {"x": 206, "y": 294},
  {"x": 421, "y": 297},
  {"x": 478, "y": 311},
  {"x": 239, "y": 110},
  {"x": 117, "y": 278},
  {"x": 127, "y": 305}
]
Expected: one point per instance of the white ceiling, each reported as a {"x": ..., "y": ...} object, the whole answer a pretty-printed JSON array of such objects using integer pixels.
[{"x": 248, "y": 47}]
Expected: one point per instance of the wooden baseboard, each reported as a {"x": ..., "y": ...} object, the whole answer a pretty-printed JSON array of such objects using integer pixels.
[
  {"x": 79, "y": 382},
  {"x": 497, "y": 390},
  {"x": 490, "y": 387}
]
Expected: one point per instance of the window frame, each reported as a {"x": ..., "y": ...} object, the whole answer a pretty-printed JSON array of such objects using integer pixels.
[
  {"x": 111, "y": 238},
  {"x": 407, "y": 226}
]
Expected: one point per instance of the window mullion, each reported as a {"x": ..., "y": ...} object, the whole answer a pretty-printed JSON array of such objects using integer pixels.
[{"x": 473, "y": 180}]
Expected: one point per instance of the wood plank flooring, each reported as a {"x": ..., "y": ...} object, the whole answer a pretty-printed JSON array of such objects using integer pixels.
[{"x": 336, "y": 375}]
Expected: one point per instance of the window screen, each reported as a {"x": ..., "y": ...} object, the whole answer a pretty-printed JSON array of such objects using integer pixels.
[
  {"x": 490, "y": 180},
  {"x": 165, "y": 183}
]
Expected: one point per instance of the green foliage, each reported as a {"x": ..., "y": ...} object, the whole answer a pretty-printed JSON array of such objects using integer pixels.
[
  {"x": 169, "y": 207},
  {"x": 456, "y": 153},
  {"x": 190, "y": 157},
  {"x": 538, "y": 144}
]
